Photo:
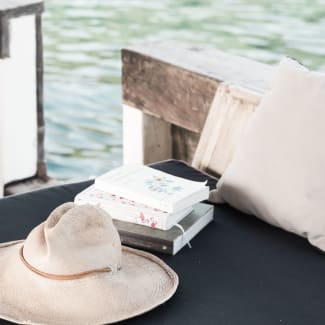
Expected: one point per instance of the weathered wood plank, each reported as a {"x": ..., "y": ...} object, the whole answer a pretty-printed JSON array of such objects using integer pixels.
[
  {"x": 4, "y": 38},
  {"x": 184, "y": 143},
  {"x": 177, "y": 82},
  {"x": 209, "y": 62},
  {"x": 157, "y": 139},
  {"x": 166, "y": 91},
  {"x": 16, "y": 8},
  {"x": 229, "y": 114},
  {"x": 41, "y": 164}
]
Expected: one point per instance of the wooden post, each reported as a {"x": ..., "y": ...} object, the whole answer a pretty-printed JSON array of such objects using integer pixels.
[
  {"x": 157, "y": 140},
  {"x": 21, "y": 88},
  {"x": 147, "y": 139},
  {"x": 41, "y": 165},
  {"x": 4, "y": 37}
]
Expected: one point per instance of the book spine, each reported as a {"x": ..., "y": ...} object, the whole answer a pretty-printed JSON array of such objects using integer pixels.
[
  {"x": 143, "y": 218},
  {"x": 146, "y": 243}
]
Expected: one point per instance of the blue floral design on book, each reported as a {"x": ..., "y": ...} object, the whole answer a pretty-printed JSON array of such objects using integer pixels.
[{"x": 162, "y": 185}]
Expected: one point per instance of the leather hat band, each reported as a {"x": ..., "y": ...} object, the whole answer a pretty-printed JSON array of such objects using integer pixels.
[{"x": 59, "y": 276}]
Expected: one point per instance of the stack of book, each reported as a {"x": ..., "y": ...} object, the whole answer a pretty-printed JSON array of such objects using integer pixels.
[{"x": 151, "y": 209}]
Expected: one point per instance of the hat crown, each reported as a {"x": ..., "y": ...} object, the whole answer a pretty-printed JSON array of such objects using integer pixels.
[{"x": 74, "y": 239}]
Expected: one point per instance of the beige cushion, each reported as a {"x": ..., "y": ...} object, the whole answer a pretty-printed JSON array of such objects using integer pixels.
[{"x": 278, "y": 170}]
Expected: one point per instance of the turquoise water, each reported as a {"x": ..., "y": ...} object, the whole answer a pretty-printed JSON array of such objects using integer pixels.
[{"x": 83, "y": 70}]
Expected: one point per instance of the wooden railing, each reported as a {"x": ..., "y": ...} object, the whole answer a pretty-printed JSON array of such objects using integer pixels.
[{"x": 168, "y": 89}]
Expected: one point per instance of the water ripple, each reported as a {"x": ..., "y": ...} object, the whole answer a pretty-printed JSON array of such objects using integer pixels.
[{"x": 83, "y": 70}]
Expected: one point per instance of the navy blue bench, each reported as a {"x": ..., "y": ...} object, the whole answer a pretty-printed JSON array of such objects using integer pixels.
[{"x": 240, "y": 270}]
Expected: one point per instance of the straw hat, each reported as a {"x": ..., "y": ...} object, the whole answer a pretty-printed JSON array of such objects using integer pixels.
[{"x": 72, "y": 269}]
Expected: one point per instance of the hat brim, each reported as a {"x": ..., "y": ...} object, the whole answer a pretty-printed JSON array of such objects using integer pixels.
[{"x": 143, "y": 283}]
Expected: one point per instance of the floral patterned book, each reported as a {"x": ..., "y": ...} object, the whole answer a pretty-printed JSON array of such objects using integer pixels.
[
  {"x": 153, "y": 188},
  {"x": 123, "y": 209}
]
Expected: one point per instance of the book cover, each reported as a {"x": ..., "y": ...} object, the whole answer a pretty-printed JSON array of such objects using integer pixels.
[
  {"x": 153, "y": 188},
  {"x": 171, "y": 241},
  {"x": 130, "y": 211}
]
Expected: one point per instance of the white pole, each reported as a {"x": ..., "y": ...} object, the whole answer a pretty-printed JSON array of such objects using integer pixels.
[{"x": 132, "y": 136}]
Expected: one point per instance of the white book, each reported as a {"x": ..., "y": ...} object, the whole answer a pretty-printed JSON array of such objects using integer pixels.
[
  {"x": 153, "y": 188},
  {"x": 126, "y": 210}
]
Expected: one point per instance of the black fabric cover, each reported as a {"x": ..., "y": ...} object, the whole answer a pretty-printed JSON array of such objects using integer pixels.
[{"x": 239, "y": 271}]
